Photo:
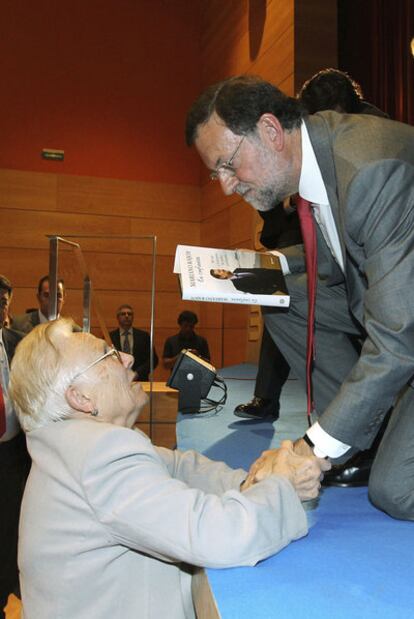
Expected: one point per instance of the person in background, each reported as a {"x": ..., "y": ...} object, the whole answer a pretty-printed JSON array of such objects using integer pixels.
[
  {"x": 26, "y": 322},
  {"x": 332, "y": 89},
  {"x": 133, "y": 341},
  {"x": 186, "y": 338},
  {"x": 14, "y": 459},
  {"x": 111, "y": 526}
]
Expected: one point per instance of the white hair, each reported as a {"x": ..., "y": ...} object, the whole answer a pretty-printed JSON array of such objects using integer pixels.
[{"x": 41, "y": 372}]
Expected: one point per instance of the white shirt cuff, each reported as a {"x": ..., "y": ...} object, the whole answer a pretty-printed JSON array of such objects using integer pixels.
[
  {"x": 283, "y": 261},
  {"x": 325, "y": 444}
]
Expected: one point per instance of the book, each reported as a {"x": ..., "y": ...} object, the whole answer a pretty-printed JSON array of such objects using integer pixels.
[{"x": 230, "y": 276}]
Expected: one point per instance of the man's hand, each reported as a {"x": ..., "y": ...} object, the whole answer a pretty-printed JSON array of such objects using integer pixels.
[
  {"x": 303, "y": 472},
  {"x": 301, "y": 448}
]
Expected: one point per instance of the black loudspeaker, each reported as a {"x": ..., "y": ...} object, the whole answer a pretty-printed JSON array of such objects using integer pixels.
[{"x": 193, "y": 377}]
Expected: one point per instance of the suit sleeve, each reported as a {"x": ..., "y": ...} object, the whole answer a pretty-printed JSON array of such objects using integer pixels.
[
  {"x": 380, "y": 232},
  {"x": 205, "y": 352},
  {"x": 135, "y": 496},
  {"x": 144, "y": 367}
]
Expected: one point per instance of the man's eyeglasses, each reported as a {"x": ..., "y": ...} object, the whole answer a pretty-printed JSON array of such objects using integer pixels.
[
  {"x": 227, "y": 166},
  {"x": 109, "y": 353}
]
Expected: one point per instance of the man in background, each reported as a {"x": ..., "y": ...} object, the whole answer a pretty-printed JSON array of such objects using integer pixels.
[
  {"x": 26, "y": 322},
  {"x": 187, "y": 339},
  {"x": 14, "y": 459},
  {"x": 134, "y": 342}
]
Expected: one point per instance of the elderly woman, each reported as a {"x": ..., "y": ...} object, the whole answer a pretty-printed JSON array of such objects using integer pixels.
[{"x": 110, "y": 524}]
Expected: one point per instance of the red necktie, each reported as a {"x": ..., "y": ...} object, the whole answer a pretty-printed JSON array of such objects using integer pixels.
[
  {"x": 2, "y": 413},
  {"x": 307, "y": 226}
]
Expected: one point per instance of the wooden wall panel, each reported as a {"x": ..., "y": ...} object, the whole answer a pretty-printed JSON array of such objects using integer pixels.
[
  {"x": 82, "y": 194},
  {"x": 316, "y": 35},
  {"x": 27, "y": 190},
  {"x": 34, "y": 204}
]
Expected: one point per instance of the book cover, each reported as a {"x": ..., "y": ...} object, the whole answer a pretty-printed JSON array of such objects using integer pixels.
[{"x": 230, "y": 276}]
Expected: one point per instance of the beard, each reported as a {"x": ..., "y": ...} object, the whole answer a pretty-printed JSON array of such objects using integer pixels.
[
  {"x": 277, "y": 182},
  {"x": 264, "y": 198}
]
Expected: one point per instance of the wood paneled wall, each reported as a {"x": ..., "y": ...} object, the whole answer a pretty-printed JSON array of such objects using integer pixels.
[
  {"x": 33, "y": 205},
  {"x": 39, "y": 198}
]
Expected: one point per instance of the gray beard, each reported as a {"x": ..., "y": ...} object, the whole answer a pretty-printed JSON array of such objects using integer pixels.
[{"x": 263, "y": 199}]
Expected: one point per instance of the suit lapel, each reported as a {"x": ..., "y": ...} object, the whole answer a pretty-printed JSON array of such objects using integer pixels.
[{"x": 321, "y": 143}]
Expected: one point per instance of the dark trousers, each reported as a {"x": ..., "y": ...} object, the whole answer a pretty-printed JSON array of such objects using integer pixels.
[
  {"x": 14, "y": 469},
  {"x": 273, "y": 369}
]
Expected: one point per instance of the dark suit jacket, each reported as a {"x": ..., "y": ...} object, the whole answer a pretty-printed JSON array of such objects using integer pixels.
[
  {"x": 10, "y": 339},
  {"x": 259, "y": 281},
  {"x": 141, "y": 351},
  {"x": 367, "y": 164},
  {"x": 280, "y": 229},
  {"x": 26, "y": 322}
]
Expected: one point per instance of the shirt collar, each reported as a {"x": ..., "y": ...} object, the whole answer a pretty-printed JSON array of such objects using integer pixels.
[
  {"x": 311, "y": 185},
  {"x": 42, "y": 318}
]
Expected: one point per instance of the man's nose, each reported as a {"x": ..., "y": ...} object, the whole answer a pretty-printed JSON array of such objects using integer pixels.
[{"x": 228, "y": 183}]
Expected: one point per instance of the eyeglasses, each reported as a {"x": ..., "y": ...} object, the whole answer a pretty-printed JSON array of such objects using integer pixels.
[
  {"x": 109, "y": 353},
  {"x": 227, "y": 166}
]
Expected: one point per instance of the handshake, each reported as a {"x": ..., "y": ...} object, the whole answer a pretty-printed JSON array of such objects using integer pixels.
[{"x": 296, "y": 462}]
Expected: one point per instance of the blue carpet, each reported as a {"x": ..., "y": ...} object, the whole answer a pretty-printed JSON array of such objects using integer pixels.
[{"x": 355, "y": 563}]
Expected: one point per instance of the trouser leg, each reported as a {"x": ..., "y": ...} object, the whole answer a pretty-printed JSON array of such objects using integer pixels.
[
  {"x": 273, "y": 369},
  {"x": 391, "y": 483},
  {"x": 14, "y": 466},
  {"x": 335, "y": 353}
]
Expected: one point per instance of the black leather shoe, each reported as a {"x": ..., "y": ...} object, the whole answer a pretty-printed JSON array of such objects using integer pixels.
[
  {"x": 258, "y": 408},
  {"x": 355, "y": 472}
]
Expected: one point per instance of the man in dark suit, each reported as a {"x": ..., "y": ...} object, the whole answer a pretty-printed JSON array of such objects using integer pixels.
[
  {"x": 133, "y": 341},
  {"x": 254, "y": 281},
  {"x": 357, "y": 172},
  {"x": 26, "y": 322},
  {"x": 14, "y": 459}
]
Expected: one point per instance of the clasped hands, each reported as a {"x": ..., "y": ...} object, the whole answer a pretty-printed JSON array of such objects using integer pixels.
[{"x": 295, "y": 461}]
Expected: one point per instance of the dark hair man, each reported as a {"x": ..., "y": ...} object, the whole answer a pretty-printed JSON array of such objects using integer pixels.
[
  {"x": 332, "y": 89},
  {"x": 14, "y": 459},
  {"x": 26, "y": 322},
  {"x": 186, "y": 338},
  {"x": 357, "y": 171},
  {"x": 254, "y": 280},
  {"x": 133, "y": 341}
]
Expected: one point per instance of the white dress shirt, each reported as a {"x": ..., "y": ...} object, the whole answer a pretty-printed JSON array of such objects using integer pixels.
[{"x": 312, "y": 188}]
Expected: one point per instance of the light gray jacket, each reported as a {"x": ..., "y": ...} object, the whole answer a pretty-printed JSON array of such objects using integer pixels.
[{"x": 111, "y": 525}]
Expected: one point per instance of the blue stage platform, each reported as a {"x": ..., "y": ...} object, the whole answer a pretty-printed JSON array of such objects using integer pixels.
[{"x": 355, "y": 563}]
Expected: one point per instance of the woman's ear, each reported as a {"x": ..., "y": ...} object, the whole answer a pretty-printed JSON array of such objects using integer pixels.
[{"x": 78, "y": 401}]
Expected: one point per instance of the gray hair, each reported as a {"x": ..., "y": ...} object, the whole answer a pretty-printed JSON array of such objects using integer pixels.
[{"x": 41, "y": 373}]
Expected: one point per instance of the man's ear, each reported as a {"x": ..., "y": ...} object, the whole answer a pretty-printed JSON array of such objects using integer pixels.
[
  {"x": 271, "y": 131},
  {"x": 78, "y": 401}
]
